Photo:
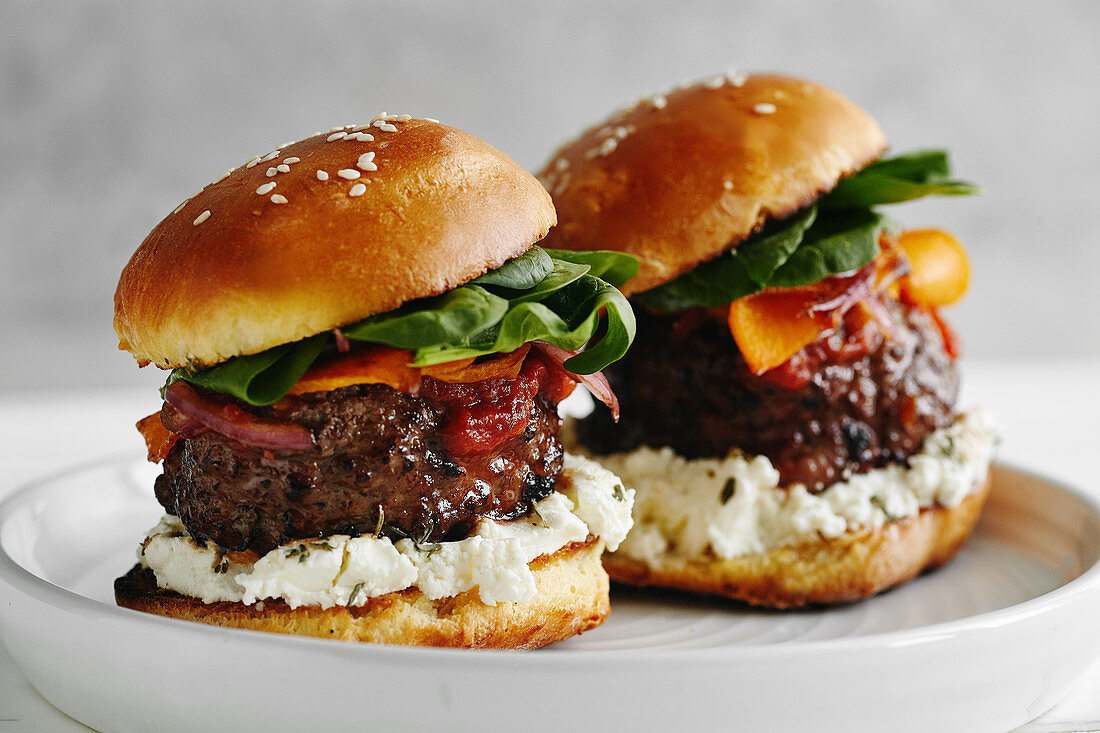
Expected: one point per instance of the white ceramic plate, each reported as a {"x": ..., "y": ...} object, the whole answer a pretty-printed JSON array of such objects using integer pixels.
[{"x": 987, "y": 643}]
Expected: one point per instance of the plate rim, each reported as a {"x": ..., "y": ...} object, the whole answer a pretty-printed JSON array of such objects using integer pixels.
[{"x": 19, "y": 579}]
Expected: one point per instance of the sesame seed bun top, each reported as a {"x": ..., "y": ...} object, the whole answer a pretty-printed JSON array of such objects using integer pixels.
[
  {"x": 678, "y": 179},
  {"x": 322, "y": 233}
]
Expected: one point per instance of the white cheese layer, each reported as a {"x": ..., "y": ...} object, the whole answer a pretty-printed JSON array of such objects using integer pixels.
[
  {"x": 735, "y": 506},
  {"x": 340, "y": 570}
]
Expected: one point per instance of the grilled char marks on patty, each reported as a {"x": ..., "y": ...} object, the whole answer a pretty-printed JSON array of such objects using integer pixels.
[
  {"x": 853, "y": 401},
  {"x": 377, "y": 448}
]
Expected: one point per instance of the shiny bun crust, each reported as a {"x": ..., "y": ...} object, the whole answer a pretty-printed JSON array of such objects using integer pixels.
[
  {"x": 855, "y": 565},
  {"x": 283, "y": 254},
  {"x": 571, "y": 597},
  {"x": 679, "y": 178}
]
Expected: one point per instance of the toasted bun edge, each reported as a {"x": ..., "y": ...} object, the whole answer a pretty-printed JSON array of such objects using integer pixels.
[
  {"x": 571, "y": 597},
  {"x": 855, "y": 565}
]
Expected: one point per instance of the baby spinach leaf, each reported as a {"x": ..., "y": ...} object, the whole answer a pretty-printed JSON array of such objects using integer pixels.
[
  {"x": 448, "y": 318},
  {"x": 741, "y": 271},
  {"x": 519, "y": 273},
  {"x": 767, "y": 251},
  {"x": 614, "y": 268},
  {"x": 837, "y": 234},
  {"x": 539, "y": 296},
  {"x": 258, "y": 379},
  {"x": 841, "y": 243},
  {"x": 894, "y": 180}
]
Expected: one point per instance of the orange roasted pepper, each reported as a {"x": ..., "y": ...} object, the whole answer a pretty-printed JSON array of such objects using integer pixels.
[
  {"x": 773, "y": 325},
  {"x": 374, "y": 365},
  {"x": 158, "y": 439},
  {"x": 940, "y": 272},
  {"x": 389, "y": 366}
]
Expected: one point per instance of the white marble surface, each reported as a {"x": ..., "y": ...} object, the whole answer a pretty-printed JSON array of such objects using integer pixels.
[
  {"x": 1048, "y": 410},
  {"x": 113, "y": 112}
]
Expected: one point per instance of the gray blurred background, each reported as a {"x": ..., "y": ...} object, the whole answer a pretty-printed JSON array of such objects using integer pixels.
[{"x": 112, "y": 113}]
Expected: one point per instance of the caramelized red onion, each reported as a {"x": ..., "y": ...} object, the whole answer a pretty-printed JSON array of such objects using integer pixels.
[
  {"x": 233, "y": 422},
  {"x": 596, "y": 383},
  {"x": 342, "y": 344},
  {"x": 838, "y": 294}
]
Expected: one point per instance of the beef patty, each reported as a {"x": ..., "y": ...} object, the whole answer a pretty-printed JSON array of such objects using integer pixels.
[
  {"x": 380, "y": 453},
  {"x": 852, "y": 401}
]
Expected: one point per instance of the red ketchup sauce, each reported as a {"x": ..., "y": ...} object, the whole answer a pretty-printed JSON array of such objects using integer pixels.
[{"x": 479, "y": 417}]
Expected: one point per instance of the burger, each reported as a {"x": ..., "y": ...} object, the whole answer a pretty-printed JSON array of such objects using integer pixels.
[
  {"x": 359, "y": 435},
  {"x": 789, "y": 417}
]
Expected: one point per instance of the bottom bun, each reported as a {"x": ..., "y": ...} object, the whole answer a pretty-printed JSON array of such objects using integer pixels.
[
  {"x": 855, "y": 565},
  {"x": 571, "y": 597}
]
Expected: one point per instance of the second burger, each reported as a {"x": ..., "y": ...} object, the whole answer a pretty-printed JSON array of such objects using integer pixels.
[{"x": 789, "y": 408}]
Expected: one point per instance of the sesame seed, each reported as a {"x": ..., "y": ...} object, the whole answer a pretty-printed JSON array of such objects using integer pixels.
[
  {"x": 336, "y": 136},
  {"x": 277, "y": 198},
  {"x": 283, "y": 168},
  {"x": 604, "y": 132},
  {"x": 266, "y": 188},
  {"x": 728, "y": 185},
  {"x": 322, "y": 176},
  {"x": 366, "y": 162},
  {"x": 291, "y": 160},
  {"x": 659, "y": 101},
  {"x": 403, "y": 118},
  {"x": 252, "y": 162},
  {"x": 384, "y": 126},
  {"x": 179, "y": 208},
  {"x": 621, "y": 132},
  {"x": 201, "y": 217},
  {"x": 563, "y": 182},
  {"x": 270, "y": 156},
  {"x": 716, "y": 82},
  {"x": 363, "y": 137},
  {"x": 348, "y": 173},
  {"x": 357, "y": 190},
  {"x": 736, "y": 78},
  {"x": 223, "y": 176},
  {"x": 764, "y": 108},
  {"x": 357, "y": 128},
  {"x": 430, "y": 119},
  {"x": 196, "y": 193},
  {"x": 561, "y": 164},
  {"x": 379, "y": 116},
  {"x": 337, "y": 128},
  {"x": 608, "y": 145},
  {"x": 271, "y": 172}
]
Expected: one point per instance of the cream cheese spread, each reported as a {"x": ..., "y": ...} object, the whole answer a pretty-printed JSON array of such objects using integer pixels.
[
  {"x": 340, "y": 570},
  {"x": 735, "y": 507}
]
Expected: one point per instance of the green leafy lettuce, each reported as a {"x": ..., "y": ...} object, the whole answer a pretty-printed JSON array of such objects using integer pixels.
[
  {"x": 839, "y": 233},
  {"x": 543, "y": 295}
]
